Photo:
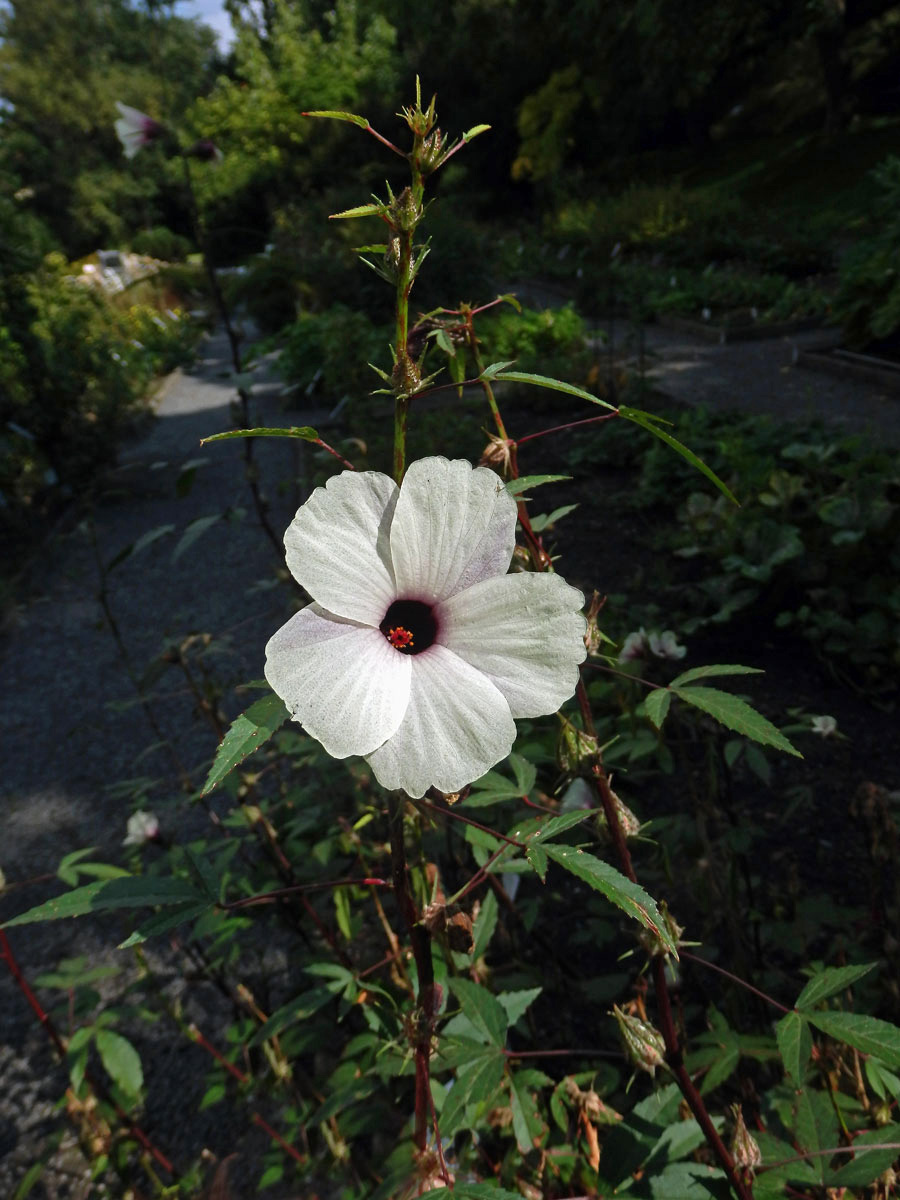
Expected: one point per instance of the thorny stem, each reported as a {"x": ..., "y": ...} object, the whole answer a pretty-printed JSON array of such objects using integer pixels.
[{"x": 674, "y": 1057}]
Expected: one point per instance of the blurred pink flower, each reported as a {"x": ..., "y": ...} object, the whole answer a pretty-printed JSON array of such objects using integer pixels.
[{"x": 419, "y": 650}]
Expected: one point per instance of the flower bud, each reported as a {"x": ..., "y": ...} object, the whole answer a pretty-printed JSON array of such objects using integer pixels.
[
  {"x": 593, "y": 638},
  {"x": 142, "y": 827},
  {"x": 644, "y": 1045},
  {"x": 497, "y": 454},
  {"x": 744, "y": 1149},
  {"x": 576, "y": 751},
  {"x": 628, "y": 822}
]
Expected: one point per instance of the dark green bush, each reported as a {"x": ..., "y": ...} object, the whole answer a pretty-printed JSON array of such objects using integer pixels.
[
  {"x": 162, "y": 243},
  {"x": 868, "y": 299}
]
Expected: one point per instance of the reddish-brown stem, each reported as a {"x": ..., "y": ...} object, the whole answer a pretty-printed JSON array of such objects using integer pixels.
[
  {"x": 480, "y": 875},
  {"x": 339, "y": 457},
  {"x": 217, "y": 1055},
  {"x": 736, "y": 979},
  {"x": 455, "y": 816},
  {"x": 658, "y": 964},
  {"x": 276, "y": 1137},
  {"x": 278, "y": 893},
  {"x": 46, "y": 1020},
  {"x": 686, "y": 1084},
  {"x": 25, "y": 988},
  {"x": 420, "y": 941},
  {"x": 530, "y": 437}
]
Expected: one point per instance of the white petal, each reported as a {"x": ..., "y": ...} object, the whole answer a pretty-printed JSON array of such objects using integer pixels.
[
  {"x": 338, "y": 545},
  {"x": 456, "y": 727},
  {"x": 525, "y": 632},
  {"x": 454, "y": 524},
  {"x": 343, "y": 682}
]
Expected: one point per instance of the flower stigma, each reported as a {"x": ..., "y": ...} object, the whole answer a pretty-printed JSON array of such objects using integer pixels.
[{"x": 409, "y": 626}]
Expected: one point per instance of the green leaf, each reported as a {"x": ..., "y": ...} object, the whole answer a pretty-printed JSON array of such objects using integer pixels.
[
  {"x": 515, "y": 487},
  {"x": 131, "y": 891},
  {"x": 537, "y": 857},
  {"x": 517, "y": 1003},
  {"x": 794, "y": 1045},
  {"x": 135, "y": 547},
  {"x": 474, "y": 132},
  {"x": 164, "y": 921},
  {"x": 656, "y": 705},
  {"x": 714, "y": 669},
  {"x": 815, "y": 1126},
  {"x": 735, "y": 713},
  {"x": 485, "y": 924},
  {"x": 867, "y": 1165},
  {"x": 649, "y": 421},
  {"x": 304, "y": 432},
  {"x": 830, "y": 981},
  {"x": 361, "y": 210},
  {"x": 560, "y": 824},
  {"x": 494, "y": 369},
  {"x": 545, "y": 520},
  {"x": 483, "y": 1009},
  {"x": 121, "y": 1060},
  {"x": 339, "y": 116},
  {"x": 870, "y": 1035},
  {"x": 528, "y": 1127},
  {"x": 474, "y": 1191},
  {"x": 476, "y": 1081},
  {"x": 555, "y": 385},
  {"x": 630, "y": 897},
  {"x": 247, "y": 733},
  {"x": 194, "y": 530}
]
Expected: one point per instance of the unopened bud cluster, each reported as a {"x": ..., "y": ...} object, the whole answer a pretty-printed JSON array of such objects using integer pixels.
[{"x": 644, "y": 1045}]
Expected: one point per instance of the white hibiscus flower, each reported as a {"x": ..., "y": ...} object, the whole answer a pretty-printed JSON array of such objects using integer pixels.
[
  {"x": 418, "y": 649},
  {"x": 135, "y": 129}
]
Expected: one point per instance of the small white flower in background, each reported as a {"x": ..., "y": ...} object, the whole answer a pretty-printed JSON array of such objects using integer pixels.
[
  {"x": 665, "y": 645},
  {"x": 706, "y": 314},
  {"x": 135, "y": 129},
  {"x": 419, "y": 650},
  {"x": 641, "y": 644},
  {"x": 142, "y": 827},
  {"x": 635, "y": 646},
  {"x": 824, "y": 726}
]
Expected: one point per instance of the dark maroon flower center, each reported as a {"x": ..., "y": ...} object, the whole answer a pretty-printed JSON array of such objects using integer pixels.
[{"x": 410, "y": 626}]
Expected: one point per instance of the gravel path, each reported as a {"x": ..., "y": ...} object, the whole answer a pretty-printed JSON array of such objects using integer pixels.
[{"x": 72, "y": 726}]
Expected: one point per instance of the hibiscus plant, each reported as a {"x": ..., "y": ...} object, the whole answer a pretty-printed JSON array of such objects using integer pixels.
[{"x": 421, "y": 675}]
